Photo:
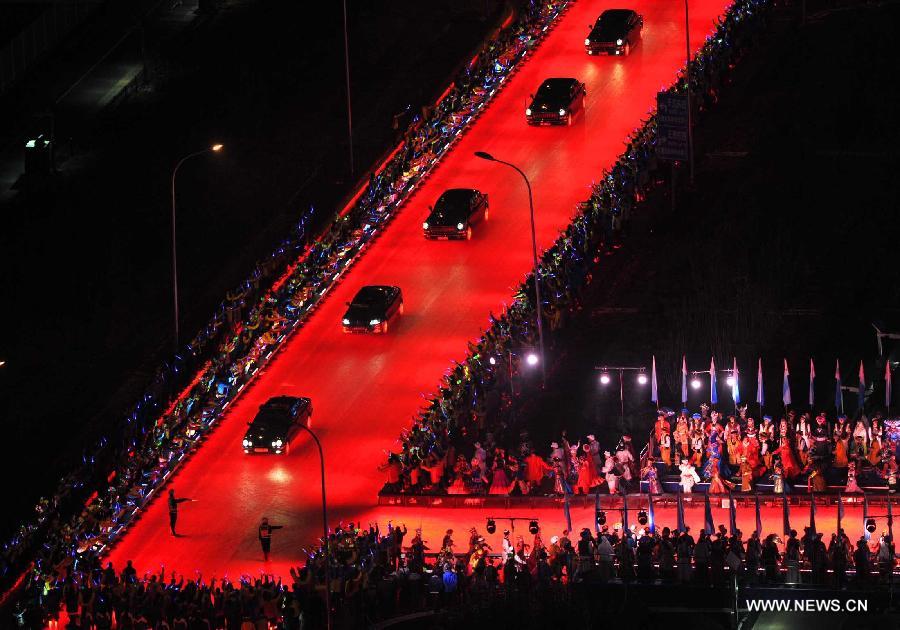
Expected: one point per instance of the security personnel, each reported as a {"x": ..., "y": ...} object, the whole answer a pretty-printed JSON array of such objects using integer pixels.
[
  {"x": 173, "y": 510},
  {"x": 265, "y": 536}
]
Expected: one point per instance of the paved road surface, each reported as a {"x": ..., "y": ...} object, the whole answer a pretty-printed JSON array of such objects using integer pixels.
[{"x": 366, "y": 388}]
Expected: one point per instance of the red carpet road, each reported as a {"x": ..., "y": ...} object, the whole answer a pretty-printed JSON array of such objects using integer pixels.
[{"x": 365, "y": 388}]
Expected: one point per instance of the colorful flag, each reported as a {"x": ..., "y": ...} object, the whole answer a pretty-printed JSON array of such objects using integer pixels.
[
  {"x": 708, "y": 524},
  {"x": 683, "y": 380},
  {"x": 786, "y": 386},
  {"x": 785, "y": 515},
  {"x": 840, "y": 510},
  {"x": 812, "y": 379},
  {"x": 760, "y": 397},
  {"x": 887, "y": 384},
  {"x": 650, "y": 516},
  {"x": 838, "y": 393},
  {"x": 861, "y": 396},
  {"x": 732, "y": 514},
  {"x": 680, "y": 511},
  {"x": 735, "y": 386},
  {"x": 653, "y": 395},
  {"x": 567, "y": 513},
  {"x": 759, "y": 529},
  {"x": 713, "y": 394}
]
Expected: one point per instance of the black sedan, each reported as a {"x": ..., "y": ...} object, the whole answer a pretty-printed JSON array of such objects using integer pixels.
[
  {"x": 276, "y": 423},
  {"x": 454, "y": 213},
  {"x": 372, "y": 309},
  {"x": 556, "y": 103},
  {"x": 616, "y": 32}
]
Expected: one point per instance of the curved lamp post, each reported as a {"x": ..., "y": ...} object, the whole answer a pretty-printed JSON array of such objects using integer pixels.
[
  {"x": 537, "y": 279},
  {"x": 213, "y": 149},
  {"x": 324, "y": 529}
]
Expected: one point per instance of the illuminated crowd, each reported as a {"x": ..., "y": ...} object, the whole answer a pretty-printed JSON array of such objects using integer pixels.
[
  {"x": 737, "y": 453},
  {"x": 730, "y": 454},
  {"x": 379, "y": 574}
]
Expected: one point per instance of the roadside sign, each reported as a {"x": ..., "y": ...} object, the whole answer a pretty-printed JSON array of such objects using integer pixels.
[{"x": 672, "y": 127}]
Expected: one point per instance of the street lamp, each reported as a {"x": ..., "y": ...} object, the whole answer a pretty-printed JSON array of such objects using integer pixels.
[
  {"x": 621, "y": 369},
  {"x": 531, "y": 359},
  {"x": 534, "y": 257},
  {"x": 324, "y": 529},
  {"x": 212, "y": 149}
]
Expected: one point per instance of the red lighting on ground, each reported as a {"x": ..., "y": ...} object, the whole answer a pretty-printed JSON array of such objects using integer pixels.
[{"x": 365, "y": 388}]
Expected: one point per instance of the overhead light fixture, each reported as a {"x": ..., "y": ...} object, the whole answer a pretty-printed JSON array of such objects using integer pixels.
[{"x": 604, "y": 378}]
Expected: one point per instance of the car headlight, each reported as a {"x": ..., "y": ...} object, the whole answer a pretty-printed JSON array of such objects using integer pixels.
[
  {"x": 425, "y": 225},
  {"x": 528, "y": 111},
  {"x": 587, "y": 42},
  {"x": 562, "y": 112},
  {"x": 618, "y": 42},
  {"x": 247, "y": 442},
  {"x": 374, "y": 322},
  {"x": 345, "y": 322},
  {"x": 460, "y": 226}
]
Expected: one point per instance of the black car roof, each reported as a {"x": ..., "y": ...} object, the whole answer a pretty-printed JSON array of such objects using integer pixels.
[
  {"x": 457, "y": 195},
  {"x": 552, "y": 84},
  {"x": 615, "y": 15},
  {"x": 557, "y": 88},
  {"x": 372, "y": 293},
  {"x": 269, "y": 416}
]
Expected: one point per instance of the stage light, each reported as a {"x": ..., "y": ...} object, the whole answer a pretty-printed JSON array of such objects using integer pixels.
[
  {"x": 492, "y": 361},
  {"x": 533, "y": 527},
  {"x": 695, "y": 383},
  {"x": 531, "y": 359},
  {"x": 604, "y": 378},
  {"x": 491, "y": 526},
  {"x": 729, "y": 381},
  {"x": 870, "y": 525},
  {"x": 642, "y": 517},
  {"x": 642, "y": 379},
  {"x": 600, "y": 517}
]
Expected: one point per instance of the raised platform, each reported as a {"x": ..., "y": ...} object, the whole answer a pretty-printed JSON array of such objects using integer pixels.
[{"x": 635, "y": 500}]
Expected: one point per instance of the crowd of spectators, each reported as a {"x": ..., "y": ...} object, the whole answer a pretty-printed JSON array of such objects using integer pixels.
[
  {"x": 126, "y": 466},
  {"x": 733, "y": 453},
  {"x": 737, "y": 453},
  {"x": 378, "y": 574}
]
